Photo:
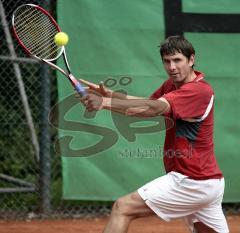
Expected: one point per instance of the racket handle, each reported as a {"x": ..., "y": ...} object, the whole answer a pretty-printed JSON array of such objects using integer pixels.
[
  {"x": 76, "y": 84},
  {"x": 80, "y": 89}
]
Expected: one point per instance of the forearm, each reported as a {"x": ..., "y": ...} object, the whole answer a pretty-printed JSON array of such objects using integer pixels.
[
  {"x": 135, "y": 107},
  {"x": 105, "y": 92},
  {"x": 122, "y": 96}
]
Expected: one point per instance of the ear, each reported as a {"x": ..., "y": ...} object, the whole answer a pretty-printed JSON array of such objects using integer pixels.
[{"x": 191, "y": 60}]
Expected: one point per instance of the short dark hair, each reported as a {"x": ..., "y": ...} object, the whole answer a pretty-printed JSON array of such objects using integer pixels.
[{"x": 174, "y": 44}]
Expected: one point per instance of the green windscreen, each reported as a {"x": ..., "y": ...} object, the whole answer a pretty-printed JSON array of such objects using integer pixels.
[{"x": 106, "y": 155}]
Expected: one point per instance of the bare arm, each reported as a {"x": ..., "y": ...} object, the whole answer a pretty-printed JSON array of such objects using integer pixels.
[
  {"x": 106, "y": 92},
  {"x": 99, "y": 97},
  {"x": 129, "y": 107},
  {"x": 137, "y": 107},
  {"x": 119, "y": 95}
]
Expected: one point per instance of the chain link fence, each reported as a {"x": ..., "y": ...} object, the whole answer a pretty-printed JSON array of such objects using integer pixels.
[{"x": 30, "y": 171}]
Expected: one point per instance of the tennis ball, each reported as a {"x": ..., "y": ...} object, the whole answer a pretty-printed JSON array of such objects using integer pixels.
[{"x": 61, "y": 38}]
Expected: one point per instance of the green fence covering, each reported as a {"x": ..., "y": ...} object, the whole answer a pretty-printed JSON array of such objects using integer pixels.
[{"x": 107, "y": 155}]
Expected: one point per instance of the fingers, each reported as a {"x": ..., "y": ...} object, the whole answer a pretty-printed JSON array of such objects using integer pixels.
[
  {"x": 88, "y": 103},
  {"x": 97, "y": 87},
  {"x": 89, "y": 84},
  {"x": 84, "y": 81},
  {"x": 83, "y": 99},
  {"x": 101, "y": 86},
  {"x": 92, "y": 102}
]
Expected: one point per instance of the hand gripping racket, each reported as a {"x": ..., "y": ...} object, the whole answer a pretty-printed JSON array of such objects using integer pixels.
[{"x": 34, "y": 29}]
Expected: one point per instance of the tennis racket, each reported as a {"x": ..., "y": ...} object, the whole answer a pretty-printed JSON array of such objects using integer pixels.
[{"x": 34, "y": 29}]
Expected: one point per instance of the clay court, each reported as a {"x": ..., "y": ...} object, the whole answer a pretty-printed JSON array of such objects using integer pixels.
[{"x": 96, "y": 225}]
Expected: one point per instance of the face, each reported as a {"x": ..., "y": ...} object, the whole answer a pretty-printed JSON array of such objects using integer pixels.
[{"x": 178, "y": 67}]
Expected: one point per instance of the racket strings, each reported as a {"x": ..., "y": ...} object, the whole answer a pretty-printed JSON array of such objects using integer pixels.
[
  {"x": 36, "y": 31},
  {"x": 24, "y": 37},
  {"x": 40, "y": 41},
  {"x": 31, "y": 19}
]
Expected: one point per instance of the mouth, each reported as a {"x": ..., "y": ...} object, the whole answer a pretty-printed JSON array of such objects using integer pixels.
[{"x": 173, "y": 74}]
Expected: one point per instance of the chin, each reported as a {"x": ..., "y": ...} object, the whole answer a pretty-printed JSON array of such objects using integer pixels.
[{"x": 177, "y": 80}]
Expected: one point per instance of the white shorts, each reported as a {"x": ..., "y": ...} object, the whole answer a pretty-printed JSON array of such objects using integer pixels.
[{"x": 177, "y": 196}]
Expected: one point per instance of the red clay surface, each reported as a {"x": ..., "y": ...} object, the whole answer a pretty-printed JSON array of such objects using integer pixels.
[{"x": 96, "y": 225}]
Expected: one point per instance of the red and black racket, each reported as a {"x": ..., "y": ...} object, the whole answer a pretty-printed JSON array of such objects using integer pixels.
[{"x": 35, "y": 29}]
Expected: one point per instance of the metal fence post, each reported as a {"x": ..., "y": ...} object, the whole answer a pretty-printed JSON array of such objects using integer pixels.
[{"x": 44, "y": 139}]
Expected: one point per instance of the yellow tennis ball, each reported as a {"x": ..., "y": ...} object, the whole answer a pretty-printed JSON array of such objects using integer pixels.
[{"x": 61, "y": 38}]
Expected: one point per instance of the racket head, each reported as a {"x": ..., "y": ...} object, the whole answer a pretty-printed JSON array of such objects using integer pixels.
[{"x": 34, "y": 29}]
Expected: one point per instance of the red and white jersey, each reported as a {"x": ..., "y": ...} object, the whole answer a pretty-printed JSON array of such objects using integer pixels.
[{"x": 189, "y": 147}]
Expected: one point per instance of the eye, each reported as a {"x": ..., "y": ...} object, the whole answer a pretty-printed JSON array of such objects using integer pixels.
[
  {"x": 165, "y": 61},
  {"x": 177, "y": 60}
]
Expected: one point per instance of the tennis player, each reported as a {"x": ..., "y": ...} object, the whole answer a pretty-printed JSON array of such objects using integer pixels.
[{"x": 193, "y": 186}]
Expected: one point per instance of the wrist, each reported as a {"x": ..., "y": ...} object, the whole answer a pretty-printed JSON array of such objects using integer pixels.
[
  {"x": 106, "y": 103},
  {"x": 109, "y": 93}
]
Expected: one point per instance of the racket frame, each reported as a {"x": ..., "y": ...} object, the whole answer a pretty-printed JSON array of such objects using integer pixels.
[{"x": 75, "y": 83}]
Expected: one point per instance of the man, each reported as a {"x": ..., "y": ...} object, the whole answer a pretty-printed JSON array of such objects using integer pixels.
[{"x": 193, "y": 186}]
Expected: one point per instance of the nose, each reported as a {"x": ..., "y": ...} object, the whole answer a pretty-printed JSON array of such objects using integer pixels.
[{"x": 172, "y": 65}]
